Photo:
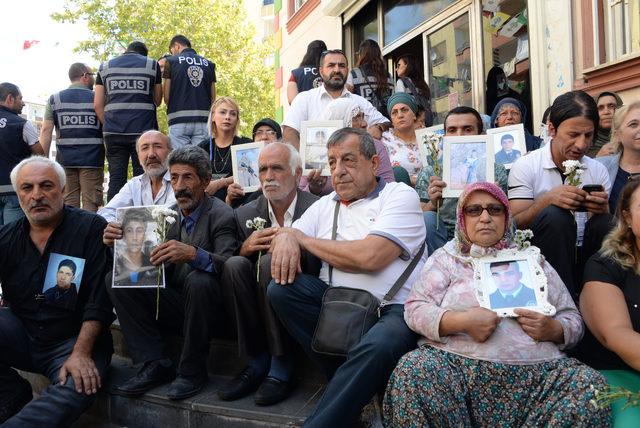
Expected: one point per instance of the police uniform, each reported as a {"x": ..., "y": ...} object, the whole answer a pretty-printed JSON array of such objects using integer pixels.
[
  {"x": 189, "y": 96},
  {"x": 129, "y": 81},
  {"x": 306, "y": 77},
  {"x": 17, "y": 135},
  {"x": 79, "y": 147}
]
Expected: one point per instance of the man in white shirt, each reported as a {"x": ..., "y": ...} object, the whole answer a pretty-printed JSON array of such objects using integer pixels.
[
  {"x": 151, "y": 188},
  {"x": 541, "y": 199},
  {"x": 261, "y": 338},
  {"x": 310, "y": 105},
  {"x": 379, "y": 231}
]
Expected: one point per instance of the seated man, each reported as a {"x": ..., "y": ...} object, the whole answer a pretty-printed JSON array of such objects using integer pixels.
[
  {"x": 541, "y": 198},
  {"x": 459, "y": 121},
  {"x": 151, "y": 188},
  {"x": 510, "y": 292},
  {"x": 194, "y": 253},
  {"x": 379, "y": 230},
  {"x": 69, "y": 342},
  {"x": 259, "y": 332}
]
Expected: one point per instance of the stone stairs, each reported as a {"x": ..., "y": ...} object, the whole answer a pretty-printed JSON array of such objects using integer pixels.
[{"x": 112, "y": 410}]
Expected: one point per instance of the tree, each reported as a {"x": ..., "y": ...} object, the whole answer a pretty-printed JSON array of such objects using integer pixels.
[{"x": 217, "y": 29}]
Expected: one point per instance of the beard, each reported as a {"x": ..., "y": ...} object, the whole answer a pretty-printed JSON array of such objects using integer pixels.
[{"x": 334, "y": 85}]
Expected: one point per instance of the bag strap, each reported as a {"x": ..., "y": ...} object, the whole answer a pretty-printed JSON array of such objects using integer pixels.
[
  {"x": 399, "y": 282},
  {"x": 334, "y": 231}
]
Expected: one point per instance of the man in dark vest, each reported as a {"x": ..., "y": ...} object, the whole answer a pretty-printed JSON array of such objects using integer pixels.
[
  {"x": 189, "y": 90},
  {"x": 128, "y": 89},
  {"x": 79, "y": 147},
  {"x": 18, "y": 140}
]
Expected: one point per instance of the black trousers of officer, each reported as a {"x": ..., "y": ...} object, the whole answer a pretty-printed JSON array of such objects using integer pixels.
[
  {"x": 192, "y": 305},
  {"x": 257, "y": 325}
]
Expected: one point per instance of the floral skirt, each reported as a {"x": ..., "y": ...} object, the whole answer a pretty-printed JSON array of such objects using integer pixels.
[{"x": 431, "y": 387}]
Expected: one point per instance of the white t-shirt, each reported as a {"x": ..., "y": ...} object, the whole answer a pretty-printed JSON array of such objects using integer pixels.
[
  {"x": 392, "y": 211},
  {"x": 309, "y": 105},
  {"x": 30, "y": 133}
]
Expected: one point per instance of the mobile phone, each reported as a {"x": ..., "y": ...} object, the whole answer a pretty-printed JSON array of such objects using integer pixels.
[{"x": 589, "y": 188}]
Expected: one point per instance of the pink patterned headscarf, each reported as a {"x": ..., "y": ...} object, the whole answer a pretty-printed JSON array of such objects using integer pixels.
[{"x": 461, "y": 230}]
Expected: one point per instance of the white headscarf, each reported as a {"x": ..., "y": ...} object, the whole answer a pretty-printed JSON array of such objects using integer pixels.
[{"x": 344, "y": 109}]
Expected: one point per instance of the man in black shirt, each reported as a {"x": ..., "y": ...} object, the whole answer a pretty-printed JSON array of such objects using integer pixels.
[{"x": 71, "y": 345}]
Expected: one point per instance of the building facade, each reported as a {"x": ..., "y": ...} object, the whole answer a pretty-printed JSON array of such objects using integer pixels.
[{"x": 545, "y": 47}]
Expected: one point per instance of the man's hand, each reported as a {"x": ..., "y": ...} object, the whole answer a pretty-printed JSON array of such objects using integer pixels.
[
  {"x": 566, "y": 197},
  {"x": 434, "y": 191},
  {"x": 234, "y": 191},
  {"x": 215, "y": 185},
  {"x": 539, "y": 327},
  {"x": 112, "y": 232},
  {"x": 597, "y": 202},
  {"x": 259, "y": 240},
  {"x": 285, "y": 258},
  {"x": 480, "y": 323},
  {"x": 83, "y": 371},
  {"x": 173, "y": 252},
  {"x": 316, "y": 182}
]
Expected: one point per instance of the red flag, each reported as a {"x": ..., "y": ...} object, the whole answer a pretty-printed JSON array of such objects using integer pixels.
[{"x": 29, "y": 43}]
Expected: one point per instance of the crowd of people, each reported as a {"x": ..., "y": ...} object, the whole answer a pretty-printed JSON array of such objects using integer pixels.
[{"x": 258, "y": 266}]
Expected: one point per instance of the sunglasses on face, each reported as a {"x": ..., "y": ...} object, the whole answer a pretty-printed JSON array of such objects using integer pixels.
[{"x": 476, "y": 210}]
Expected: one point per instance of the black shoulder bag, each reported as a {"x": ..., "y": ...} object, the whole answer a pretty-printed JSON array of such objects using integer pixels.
[{"x": 348, "y": 313}]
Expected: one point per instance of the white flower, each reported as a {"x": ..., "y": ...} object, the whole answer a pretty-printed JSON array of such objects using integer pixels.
[
  {"x": 163, "y": 211},
  {"x": 170, "y": 219},
  {"x": 571, "y": 166},
  {"x": 249, "y": 224}
]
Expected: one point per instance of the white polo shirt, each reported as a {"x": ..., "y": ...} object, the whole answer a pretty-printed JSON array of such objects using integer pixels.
[
  {"x": 536, "y": 173},
  {"x": 393, "y": 211},
  {"x": 309, "y": 105}
]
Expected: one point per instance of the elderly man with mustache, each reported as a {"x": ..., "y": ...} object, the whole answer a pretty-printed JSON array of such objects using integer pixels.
[
  {"x": 260, "y": 336},
  {"x": 197, "y": 245}
]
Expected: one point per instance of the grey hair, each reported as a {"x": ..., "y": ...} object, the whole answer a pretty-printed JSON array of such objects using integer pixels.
[
  {"x": 193, "y": 156},
  {"x": 153, "y": 131},
  {"x": 295, "y": 161},
  {"x": 367, "y": 146},
  {"x": 62, "y": 178}
]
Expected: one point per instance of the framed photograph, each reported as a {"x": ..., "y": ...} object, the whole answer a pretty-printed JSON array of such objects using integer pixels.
[
  {"x": 62, "y": 281},
  {"x": 512, "y": 279},
  {"x": 508, "y": 144},
  {"x": 244, "y": 162},
  {"x": 466, "y": 160},
  {"x": 131, "y": 265},
  {"x": 313, "y": 144},
  {"x": 425, "y": 153}
]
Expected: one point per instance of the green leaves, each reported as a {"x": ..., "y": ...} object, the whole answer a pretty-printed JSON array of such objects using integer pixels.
[{"x": 217, "y": 29}]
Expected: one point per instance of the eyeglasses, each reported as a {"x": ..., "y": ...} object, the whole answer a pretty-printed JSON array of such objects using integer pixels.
[
  {"x": 88, "y": 74},
  {"x": 268, "y": 133},
  {"x": 633, "y": 176},
  {"x": 476, "y": 210}
]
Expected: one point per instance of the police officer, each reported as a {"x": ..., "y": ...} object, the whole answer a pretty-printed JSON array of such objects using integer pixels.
[
  {"x": 79, "y": 138},
  {"x": 128, "y": 89},
  {"x": 18, "y": 140},
  {"x": 189, "y": 90}
]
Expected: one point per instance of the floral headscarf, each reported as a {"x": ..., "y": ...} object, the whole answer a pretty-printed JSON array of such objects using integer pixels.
[
  {"x": 464, "y": 244},
  {"x": 344, "y": 109}
]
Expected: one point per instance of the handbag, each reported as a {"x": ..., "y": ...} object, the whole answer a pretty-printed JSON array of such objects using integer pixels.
[{"x": 348, "y": 313}]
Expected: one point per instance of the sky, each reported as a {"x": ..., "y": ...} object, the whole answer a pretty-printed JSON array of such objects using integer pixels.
[{"x": 42, "y": 69}]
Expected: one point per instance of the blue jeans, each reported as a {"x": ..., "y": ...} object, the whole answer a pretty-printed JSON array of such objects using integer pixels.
[
  {"x": 10, "y": 209},
  {"x": 58, "y": 405},
  {"x": 182, "y": 134},
  {"x": 367, "y": 367},
  {"x": 436, "y": 235},
  {"x": 119, "y": 149}
]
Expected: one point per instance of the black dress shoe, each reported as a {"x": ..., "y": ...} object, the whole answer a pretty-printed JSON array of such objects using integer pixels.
[
  {"x": 12, "y": 405},
  {"x": 151, "y": 374},
  {"x": 272, "y": 391},
  {"x": 241, "y": 385},
  {"x": 185, "y": 387}
]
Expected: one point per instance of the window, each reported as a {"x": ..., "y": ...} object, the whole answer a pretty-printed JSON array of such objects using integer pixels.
[
  {"x": 404, "y": 15},
  {"x": 618, "y": 29},
  {"x": 297, "y": 4}
]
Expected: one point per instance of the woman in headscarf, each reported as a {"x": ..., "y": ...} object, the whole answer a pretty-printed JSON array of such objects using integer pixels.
[
  {"x": 352, "y": 116},
  {"x": 510, "y": 111},
  {"x": 498, "y": 88},
  {"x": 400, "y": 140},
  {"x": 475, "y": 369}
]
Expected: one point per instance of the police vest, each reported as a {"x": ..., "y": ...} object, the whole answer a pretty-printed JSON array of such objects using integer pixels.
[
  {"x": 190, "y": 90},
  {"x": 306, "y": 78},
  {"x": 129, "y": 82},
  {"x": 13, "y": 148},
  {"x": 79, "y": 143}
]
